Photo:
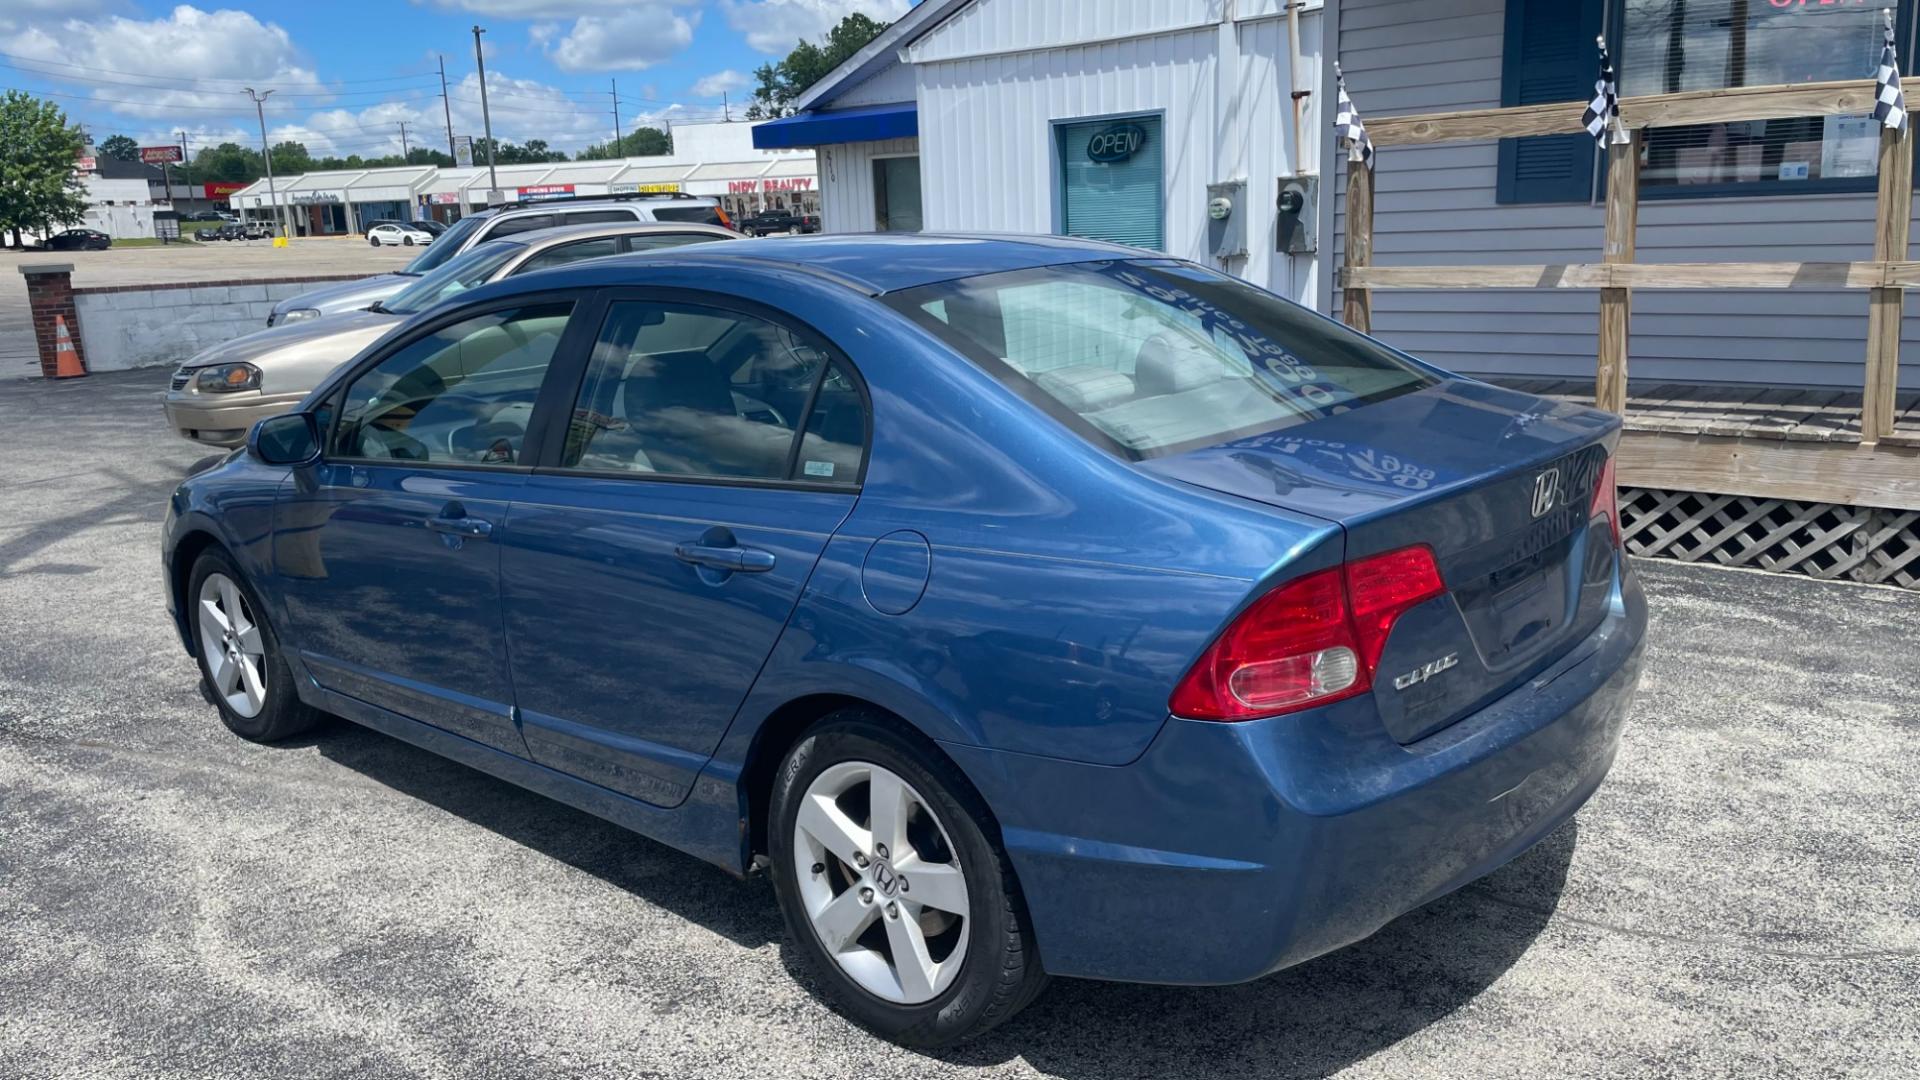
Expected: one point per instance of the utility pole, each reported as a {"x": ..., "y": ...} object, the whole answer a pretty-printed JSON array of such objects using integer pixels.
[
  {"x": 186, "y": 163},
  {"x": 615, "y": 83},
  {"x": 486, "y": 118},
  {"x": 448, "y": 110},
  {"x": 266, "y": 152},
  {"x": 726, "y": 110},
  {"x": 403, "y": 139}
]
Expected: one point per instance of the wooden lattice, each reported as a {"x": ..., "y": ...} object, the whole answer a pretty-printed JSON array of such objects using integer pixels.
[{"x": 1822, "y": 540}]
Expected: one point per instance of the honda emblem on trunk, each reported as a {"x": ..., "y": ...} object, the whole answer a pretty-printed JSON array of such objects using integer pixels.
[{"x": 1546, "y": 492}]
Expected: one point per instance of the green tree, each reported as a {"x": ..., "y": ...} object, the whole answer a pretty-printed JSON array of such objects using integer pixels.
[
  {"x": 807, "y": 64},
  {"x": 640, "y": 142},
  {"x": 291, "y": 157},
  {"x": 38, "y": 188},
  {"x": 229, "y": 162},
  {"x": 120, "y": 148}
]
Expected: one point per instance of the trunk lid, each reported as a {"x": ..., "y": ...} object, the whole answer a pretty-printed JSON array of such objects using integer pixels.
[{"x": 1497, "y": 482}]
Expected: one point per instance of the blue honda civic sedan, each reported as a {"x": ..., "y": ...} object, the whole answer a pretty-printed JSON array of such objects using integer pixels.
[{"x": 1021, "y": 606}]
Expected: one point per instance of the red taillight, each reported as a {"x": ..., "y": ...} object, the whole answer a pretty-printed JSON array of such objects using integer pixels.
[
  {"x": 1606, "y": 500},
  {"x": 1309, "y": 642}
]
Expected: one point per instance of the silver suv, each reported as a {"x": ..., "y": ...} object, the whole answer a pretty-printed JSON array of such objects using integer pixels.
[{"x": 491, "y": 225}]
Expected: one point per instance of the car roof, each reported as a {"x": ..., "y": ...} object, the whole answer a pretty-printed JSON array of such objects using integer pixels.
[
  {"x": 872, "y": 263},
  {"x": 541, "y": 239}
]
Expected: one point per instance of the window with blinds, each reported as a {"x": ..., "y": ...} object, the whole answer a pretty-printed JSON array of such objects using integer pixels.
[
  {"x": 1669, "y": 46},
  {"x": 1113, "y": 181}
]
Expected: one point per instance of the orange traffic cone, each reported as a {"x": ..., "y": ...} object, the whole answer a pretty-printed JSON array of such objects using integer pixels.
[{"x": 66, "y": 358}]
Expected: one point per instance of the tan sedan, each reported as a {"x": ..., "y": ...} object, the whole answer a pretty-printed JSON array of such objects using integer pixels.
[{"x": 217, "y": 396}]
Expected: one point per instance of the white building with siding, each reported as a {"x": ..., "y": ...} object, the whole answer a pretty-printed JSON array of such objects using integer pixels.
[{"x": 1113, "y": 119}]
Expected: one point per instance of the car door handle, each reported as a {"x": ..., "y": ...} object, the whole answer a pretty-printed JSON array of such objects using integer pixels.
[
  {"x": 742, "y": 560},
  {"x": 478, "y": 528}
]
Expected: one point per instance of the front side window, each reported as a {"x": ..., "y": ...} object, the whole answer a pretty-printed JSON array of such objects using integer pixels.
[
  {"x": 528, "y": 223},
  {"x": 691, "y": 391},
  {"x": 1150, "y": 358},
  {"x": 1670, "y": 47},
  {"x": 660, "y": 241},
  {"x": 597, "y": 217},
  {"x": 1112, "y": 180},
  {"x": 461, "y": 395},
  {"x": 474, "y": 268}
]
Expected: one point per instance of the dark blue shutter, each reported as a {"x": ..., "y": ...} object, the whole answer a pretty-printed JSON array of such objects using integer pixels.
[{"x": 1550, "y": 56}]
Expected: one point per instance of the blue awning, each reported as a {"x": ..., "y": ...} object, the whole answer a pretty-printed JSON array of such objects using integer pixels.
[{"x": 868, "y": 123}]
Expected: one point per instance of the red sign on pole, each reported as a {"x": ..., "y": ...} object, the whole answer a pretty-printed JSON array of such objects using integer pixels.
[
  {"x": 220, "y": 189},
  {"x": 161, "y": 155}
]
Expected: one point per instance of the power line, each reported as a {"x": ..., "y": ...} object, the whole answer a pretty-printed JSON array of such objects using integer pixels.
[{"x": 222, "y": 78}]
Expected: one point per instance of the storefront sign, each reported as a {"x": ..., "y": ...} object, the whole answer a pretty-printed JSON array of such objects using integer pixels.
[
  {"x": 629, "y": 189},
  {"x": 309, "y": 198},
  {"x": 1116, "y": 144},
  {"x": 463, "y": 151},
  {"x": 546, "y": 191},
  {"x": 444, "y": 198},
  {"x": 221, "y": 189},
  {"x": 155, "y": 155},
  {"x": 789, "y": 183},
  {"x": 86, "y": 165}
]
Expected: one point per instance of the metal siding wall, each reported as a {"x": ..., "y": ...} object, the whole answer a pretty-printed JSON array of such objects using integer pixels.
[
  {"x": 985, "y": 125},
  {"x": 999, "y": 25},
  {"x": 846, "y": 182},
  {"x": 1435, "y": 206},
  {"x": 893, "y": 83}
]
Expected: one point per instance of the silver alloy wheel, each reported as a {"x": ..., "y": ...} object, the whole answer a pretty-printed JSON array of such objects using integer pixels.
[
  {"x": 897, "y": 868},
  {"x": 231, "y": 643}
]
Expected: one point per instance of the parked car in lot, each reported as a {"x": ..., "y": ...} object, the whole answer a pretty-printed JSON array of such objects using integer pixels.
[
  {"x": 395, "y": 232},
  {"x": 488, "y": 225},
  {"x": 77, "y": 240},
  {"x": 204, "y": 215},
  {"x": 218, "y": 394},
  {"x": 769, "y": 221},
  {"x": 1021, "y": 607}
]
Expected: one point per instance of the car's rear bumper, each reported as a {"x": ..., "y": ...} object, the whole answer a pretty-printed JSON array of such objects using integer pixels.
[
  {"x": 1228, "y": 851},
  {"x": 206, "y": 418}
]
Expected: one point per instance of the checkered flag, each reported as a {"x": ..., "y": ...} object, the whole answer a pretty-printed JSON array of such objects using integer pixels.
[
  {"x": 1604, "y": 109},
  {"x": 1889, "y": 102},
  {"x": 1348, "y": 123}
]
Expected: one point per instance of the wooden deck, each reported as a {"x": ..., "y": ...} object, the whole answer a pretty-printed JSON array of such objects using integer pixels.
[{"x": 1759, "y": 441}]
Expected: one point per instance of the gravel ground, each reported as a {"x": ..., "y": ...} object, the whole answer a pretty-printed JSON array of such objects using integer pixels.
[{"x": 1740, "y": 899}]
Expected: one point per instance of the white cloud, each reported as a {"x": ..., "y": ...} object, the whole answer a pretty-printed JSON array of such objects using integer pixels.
[
  {"x": 721, "y": 82},
  {"x": 635, "y": 39},
  {"x": 773, "y": 26},
  {"x": 222, "y": 51},
  {"x": 533, "y": 9}
]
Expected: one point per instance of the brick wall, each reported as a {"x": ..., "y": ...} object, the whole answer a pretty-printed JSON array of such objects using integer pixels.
[
  {"x": 50, "y": 297},
  {"x": 129, "y": 326}
]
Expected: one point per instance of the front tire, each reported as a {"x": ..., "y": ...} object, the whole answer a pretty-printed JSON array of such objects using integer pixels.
[
  {"x": 894, "y": 885},
  {"x": 244, "y": 673},
  {"x": 408, "y": 241}
]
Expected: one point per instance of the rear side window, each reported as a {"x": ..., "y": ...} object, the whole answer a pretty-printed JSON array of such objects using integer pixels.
[
  {"x": 597, "y": 217},
  {"x": 704, "y": 215},
  {"x": 574, "y": 252},
  {"x": 512, "y": 225},
  {"x": 692, "y": 391},
  {"x": 1151, "y": 358}
]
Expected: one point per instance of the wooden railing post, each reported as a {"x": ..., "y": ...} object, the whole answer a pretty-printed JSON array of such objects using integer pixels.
[
  {"x": 1890, "y": 235},
  {"x": 1616, "y": 304},
  {"x": 1357, "y": 308}
]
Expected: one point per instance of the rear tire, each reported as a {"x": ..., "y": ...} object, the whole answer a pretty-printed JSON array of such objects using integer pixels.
[
  {"x": 374, "y": 240},
  {"x": 242, "y": 669},
  {"x": 945, "y": 839}
]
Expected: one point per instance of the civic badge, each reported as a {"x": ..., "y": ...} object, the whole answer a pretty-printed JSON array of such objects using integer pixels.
[
  {"x": 1546, "y": 492},
  {"x": 1426, "y": 671}
]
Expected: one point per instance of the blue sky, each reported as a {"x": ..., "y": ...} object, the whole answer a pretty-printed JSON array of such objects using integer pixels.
[{"x": 346, "y": 73}]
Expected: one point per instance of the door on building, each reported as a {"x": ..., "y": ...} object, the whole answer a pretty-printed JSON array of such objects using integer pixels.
[{"x": 896, "y": 194}]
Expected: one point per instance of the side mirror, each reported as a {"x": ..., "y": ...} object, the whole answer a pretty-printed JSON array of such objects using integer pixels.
[{"x": 292, "y": 439}]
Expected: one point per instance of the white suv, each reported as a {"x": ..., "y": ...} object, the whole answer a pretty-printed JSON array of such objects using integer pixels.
[{"x": 491, "y": 225}]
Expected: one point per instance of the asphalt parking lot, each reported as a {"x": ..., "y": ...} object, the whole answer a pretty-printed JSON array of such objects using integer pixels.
[
  {"x": 1742, "y": 898},
  {"x": 186, "y": 261}
]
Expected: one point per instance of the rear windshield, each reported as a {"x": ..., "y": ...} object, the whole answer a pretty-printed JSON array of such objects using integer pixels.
[
  {"x": 1151, "y": 358},
  {"x": 705, "y": 215}
]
